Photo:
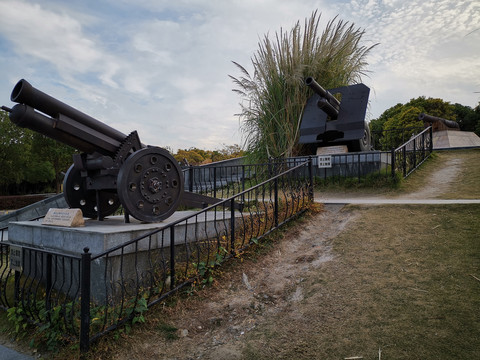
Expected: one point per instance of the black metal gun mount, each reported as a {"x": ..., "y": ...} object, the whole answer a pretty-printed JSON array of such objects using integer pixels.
[
  {"x": 336, "y": 117},
  {"x": 113, "y": 169}
]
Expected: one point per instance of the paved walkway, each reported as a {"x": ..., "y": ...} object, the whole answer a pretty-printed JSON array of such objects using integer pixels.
[
  {"x": 383, "y": 201},
  {"x": 9, "y": 354}
]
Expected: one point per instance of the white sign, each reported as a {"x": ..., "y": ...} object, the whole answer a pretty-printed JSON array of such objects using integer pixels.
[
  {"x": 324, "y": 161},
  {"x": 16, "y": 258}
]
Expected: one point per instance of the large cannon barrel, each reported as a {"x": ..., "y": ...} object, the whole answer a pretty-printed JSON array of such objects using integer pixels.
[
  {"x": 433, "y": 119},
  {"x": 328, "y": 103},
  {"x": 25, "y": 93},
  {"x": 25, "y": 116},
  {"x": 67, "y": 124}
]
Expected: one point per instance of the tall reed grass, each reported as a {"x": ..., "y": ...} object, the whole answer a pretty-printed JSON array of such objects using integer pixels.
[{"x": 272, "y": 99}]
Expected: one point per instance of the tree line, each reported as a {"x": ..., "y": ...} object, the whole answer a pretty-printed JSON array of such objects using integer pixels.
[{"x": 398, "y": 123}]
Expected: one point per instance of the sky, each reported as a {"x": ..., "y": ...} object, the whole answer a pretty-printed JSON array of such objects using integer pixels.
[{"x": 162, "y": 67}]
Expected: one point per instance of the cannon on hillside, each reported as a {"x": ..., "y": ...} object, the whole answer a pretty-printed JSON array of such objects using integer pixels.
[
  {"x": 438, "y": 123},
  {"x": 113, "y": 169},
  {"x": 336, "y": 117}
]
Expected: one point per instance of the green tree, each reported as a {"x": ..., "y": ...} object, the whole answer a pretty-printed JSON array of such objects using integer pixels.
[
  {"x": 407, "y": 120},
  {"x": 274, "y": 96},
  {"x": 468, "y": 118},
  {"x": 50, "y": 159},
  {"x": 15, "y": 146},
  {"x": 27, "y": 156},
  {"x": 398, "y": 123},
  {"x": 376, "y": 125}
]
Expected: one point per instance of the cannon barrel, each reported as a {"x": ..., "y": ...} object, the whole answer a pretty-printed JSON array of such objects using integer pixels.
[
  {"x": 67, "y": 124},
  {"x": 432, "y": 119},
  {"x": 25, "y": 116},
  {"x": 328, "y": 103}
]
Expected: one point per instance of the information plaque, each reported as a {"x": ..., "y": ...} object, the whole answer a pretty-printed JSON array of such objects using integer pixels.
[{"x": 64, "y": 217}]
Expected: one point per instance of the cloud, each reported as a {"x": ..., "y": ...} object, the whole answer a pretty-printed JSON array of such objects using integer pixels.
[
  {"x": 162, "y": 67},
  {"x": 424, "y": 49}
]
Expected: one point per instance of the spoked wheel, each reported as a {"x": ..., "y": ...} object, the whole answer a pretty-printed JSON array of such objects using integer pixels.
[
  {"x": 150, "y": 184},
  {"x": 77, "y": 196}
]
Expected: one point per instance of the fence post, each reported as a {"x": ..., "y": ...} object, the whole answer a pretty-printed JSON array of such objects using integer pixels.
[
  {"x": 214, "y": 181},
  {"x": 393, "y": 163},
  {"x": 232, "y": 226},
  {"x": 243, "y": 177},
  {"x": 190, "y": 179},
  {"x": 404, "y": 153},
  {"x": 172, "y": 257},
  {"x": 359, "y": 165},
  {"x": 431, "y": 140},
  {"x": 48, "y": 285},
  {"x": 275, "y": 201},
  {"x": 414, "y": 153},
  {"x": 310, "y": 178},
  {"x": 85, "y": 301},
  {"x": 16, "y": 289}
]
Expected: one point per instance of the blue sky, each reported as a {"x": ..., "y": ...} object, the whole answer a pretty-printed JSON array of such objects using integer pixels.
[{"x": 161, "y": 67}]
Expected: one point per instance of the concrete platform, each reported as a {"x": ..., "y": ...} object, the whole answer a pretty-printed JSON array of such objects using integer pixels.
[
  {"x": 100, "y": 236},
  {"x": 454, "y": 139}
]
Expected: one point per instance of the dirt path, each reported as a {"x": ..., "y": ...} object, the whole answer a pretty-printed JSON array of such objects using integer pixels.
[{"x": 214, "y": 328}]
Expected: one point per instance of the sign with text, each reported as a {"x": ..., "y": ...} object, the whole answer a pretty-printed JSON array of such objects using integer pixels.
[
  {"x": 64, "y": 217},
  {"x": 324, "y": 161},
  {"x": 16, "y": 259}
]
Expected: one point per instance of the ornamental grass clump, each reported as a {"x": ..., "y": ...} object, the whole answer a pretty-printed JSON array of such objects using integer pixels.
[{"x": 274, "y": 96}]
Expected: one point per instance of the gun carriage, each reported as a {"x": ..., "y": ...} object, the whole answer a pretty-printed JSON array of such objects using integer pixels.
[
  {"x": 113, "y": 169},
  {"x": 336, "y": 117}
]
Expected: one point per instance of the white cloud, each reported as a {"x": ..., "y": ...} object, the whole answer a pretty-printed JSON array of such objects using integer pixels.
[{"x": 162, "y": 67}]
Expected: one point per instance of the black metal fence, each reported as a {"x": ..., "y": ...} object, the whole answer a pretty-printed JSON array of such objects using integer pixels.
[
  {"x": 407, "y": 157},
  {"x": 229, "y": 177},
  {"x": 387, "y": 164},
  {"x": 85, "y": 296}
]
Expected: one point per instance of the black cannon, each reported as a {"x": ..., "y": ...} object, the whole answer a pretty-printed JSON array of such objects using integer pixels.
[
  {"x": 113, "y": 169},
  {"x": 439, "y": 123},
  {"x": 336, "y": 117}
]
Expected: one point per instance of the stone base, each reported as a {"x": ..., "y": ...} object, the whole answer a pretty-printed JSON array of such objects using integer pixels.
[
  {"x": 100, "y": 236},
  {"x": 451, "y": 139}
]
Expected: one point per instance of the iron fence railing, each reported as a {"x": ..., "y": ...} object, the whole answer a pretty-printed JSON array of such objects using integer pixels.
[
  {"x": 87, "y": 295},
  {"x": 226, "y": 178},
  {"x": 385, "y": 140},
  {"x": 407, "y": 157},
  {"x": 355, "y": 166}
]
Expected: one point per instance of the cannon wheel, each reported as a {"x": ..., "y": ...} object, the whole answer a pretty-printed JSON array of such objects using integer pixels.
[
  {"x": 77, "y": 196},
  {"x": 363, "y": 144},
  {"x": 150, "y": 184}
]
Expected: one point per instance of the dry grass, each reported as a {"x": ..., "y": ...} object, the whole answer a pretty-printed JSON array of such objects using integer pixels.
[{"x": 401, "y": 282}]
